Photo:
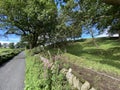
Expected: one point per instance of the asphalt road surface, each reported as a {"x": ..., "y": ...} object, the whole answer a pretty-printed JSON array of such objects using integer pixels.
[{"x": 12, "y": 74}]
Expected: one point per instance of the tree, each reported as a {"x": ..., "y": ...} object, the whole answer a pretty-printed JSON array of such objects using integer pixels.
[
  {"x": 11, "y": 45},
  {"x": 0, "y": 45},
  {"x": 39, "y": 22},
  {"x": 20, "y": 44},
  {"x": 83, "y": 15},
  {"x": 31, "y": 18},
  {"x": 68, "y": 19},
  {"x": 111, "y": 19},
  {"x": 112, "y": 2},
  {"x": 5, "y": 45}
]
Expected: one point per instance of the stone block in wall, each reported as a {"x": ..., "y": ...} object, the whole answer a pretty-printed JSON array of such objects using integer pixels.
[
  {"x": 76, "y": 83},
  {"x": 70, "y": 77},
  {"x": 85, "y": 86},
  {"x": 92, "y": 88}
]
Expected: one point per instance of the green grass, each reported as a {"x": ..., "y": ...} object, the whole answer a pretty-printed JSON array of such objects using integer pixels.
[
  {"x": 4, "y": 50},
  {"x": 105, "y": 58},
  {"x": 40, "y": 78}
]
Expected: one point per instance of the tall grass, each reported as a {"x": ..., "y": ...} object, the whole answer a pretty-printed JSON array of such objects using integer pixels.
[{"x": 40, "y": 78}]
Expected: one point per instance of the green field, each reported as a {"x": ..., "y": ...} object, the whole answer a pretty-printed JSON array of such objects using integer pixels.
[
  {"x": 4, "y": 49},
  {"x": 105, "y": 58}
]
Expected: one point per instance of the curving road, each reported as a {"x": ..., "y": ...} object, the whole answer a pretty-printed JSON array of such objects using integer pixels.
[{"x": 12, "y": 74}]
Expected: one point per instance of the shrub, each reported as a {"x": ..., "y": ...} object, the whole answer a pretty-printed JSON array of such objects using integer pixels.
[{"x": 7, "y": 55}]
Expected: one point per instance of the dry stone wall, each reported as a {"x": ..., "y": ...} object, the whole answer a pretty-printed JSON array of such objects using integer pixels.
[{"x": 75, "y": 82}]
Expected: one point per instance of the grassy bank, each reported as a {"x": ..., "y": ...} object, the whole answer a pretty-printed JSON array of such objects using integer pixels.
[
  {"x": 104, "y": 58},
  {"x": 39, "y": 78}
]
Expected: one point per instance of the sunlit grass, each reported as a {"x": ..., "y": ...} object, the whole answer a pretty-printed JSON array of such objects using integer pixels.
[
  {"x": 4, "y": 49},
  {"x": 105, "y": 58}
]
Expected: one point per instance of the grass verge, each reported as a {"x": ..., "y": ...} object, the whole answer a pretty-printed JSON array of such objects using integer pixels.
[{"x": 39, "y": 78}]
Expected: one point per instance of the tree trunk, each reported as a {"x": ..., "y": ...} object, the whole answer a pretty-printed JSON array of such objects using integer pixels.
[
  {"x": 33, "y": 41},
  {"x": 94, "y": 41}
]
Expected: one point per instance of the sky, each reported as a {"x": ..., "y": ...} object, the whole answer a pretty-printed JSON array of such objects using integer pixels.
[{"x": 8, "y": 38}]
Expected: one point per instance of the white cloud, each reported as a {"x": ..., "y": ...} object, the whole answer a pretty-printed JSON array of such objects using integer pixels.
[
  {"x": 4, "y": 42},
  {"x": 8, "y": 41},
  {"x": 103, "y": 35},
  {"x": 106, "y": 35},
  {"x": 115, "y": 35}
]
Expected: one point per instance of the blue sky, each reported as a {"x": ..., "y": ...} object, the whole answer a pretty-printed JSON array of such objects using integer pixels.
[
  {"x": 14, "y": 38},
  {"x": 9, "y": 38}
]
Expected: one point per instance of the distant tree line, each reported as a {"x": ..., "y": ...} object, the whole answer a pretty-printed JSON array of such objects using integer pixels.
[
  {"x": 7, "y": 45},
  {"x": 13, "y": 45}
]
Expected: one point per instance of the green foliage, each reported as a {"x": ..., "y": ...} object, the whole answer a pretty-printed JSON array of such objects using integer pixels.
[
  {"x": 37, "y": 50},
  {"x": 31, "y": 18},
  {"x": 21, "y": 44},
  {"x": 112, "y": 2},
  {"x": 83, "y": 15},
  {"x": 7, "y": 54},
  {"x": 5, "y": 45},
  {"x": 0, "y": 45},
  {"x": 11, "y": 45},
  {"x": 40, "y": 78},
  {"x": 40, "y": 22}
]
